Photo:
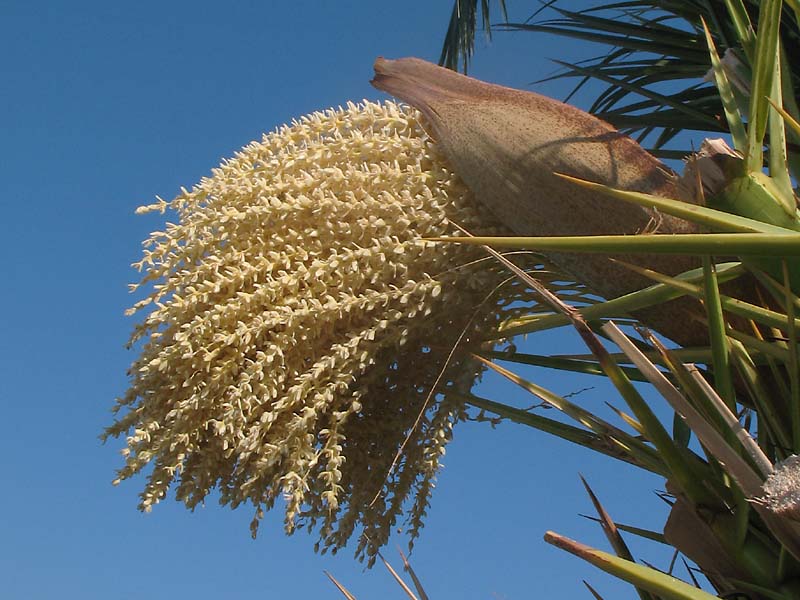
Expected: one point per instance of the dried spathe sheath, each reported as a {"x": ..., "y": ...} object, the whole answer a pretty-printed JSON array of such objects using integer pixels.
[
  {"x": 297, "y": 324},
  {"x": 508, "y": 146}
]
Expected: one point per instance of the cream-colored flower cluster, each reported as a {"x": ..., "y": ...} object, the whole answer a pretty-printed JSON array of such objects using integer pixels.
[{"x": 296, "y": 324}]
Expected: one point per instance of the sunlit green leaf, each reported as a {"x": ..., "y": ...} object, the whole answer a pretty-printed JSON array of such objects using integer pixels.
[
  {"x": 743, "y": 244},
  {"x": 663, "y": 585},
  {"x": 717, "y": 335},
  {"x": 715, "y": 219},
  {"x": 732, "y": 115},
  {"x": 766, "y": 58}
]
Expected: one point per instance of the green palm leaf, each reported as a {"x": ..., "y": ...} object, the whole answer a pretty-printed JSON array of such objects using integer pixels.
[
  {"x": 654, "y": 42},
  {"x": 459, "y": 41}
]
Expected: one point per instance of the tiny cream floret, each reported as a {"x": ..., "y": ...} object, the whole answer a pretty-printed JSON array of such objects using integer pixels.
[{"x": 295, "y": 322}]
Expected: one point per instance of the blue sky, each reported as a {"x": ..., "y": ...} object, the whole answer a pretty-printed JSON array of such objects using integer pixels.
[{"x": 105, "y": 105}]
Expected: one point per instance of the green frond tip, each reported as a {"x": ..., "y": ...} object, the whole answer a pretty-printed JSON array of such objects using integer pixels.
[
  {"x": 662, "y": 585},
  {"x": 741, "y": 244},
  {"x": 716, "y": 329},
  {"x": 791, "y": 121},
  {"x": 623, "y": 305},
  {"x": 717, "y": 220},
  {"x": 648, "y": 43},
  {"x": 459, "y": 41},
  {"x": 403, "y": 585},
  {"x": 417, "y": 583},
  {"x": 765, "y": 69},
  {"x": 612, "y": 533},
  {"x": 340, "y": 587},
  {"x": 732, "y": 114}
]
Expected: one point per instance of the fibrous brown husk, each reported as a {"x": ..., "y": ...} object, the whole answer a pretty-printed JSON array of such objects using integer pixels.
[{"x": 508, "y": 145}]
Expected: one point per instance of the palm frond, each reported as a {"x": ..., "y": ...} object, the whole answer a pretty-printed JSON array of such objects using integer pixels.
[
  {"x": 459, "y": 41},
  {"x": 657, "y": 55}
]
